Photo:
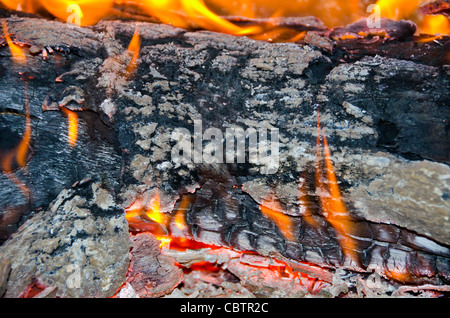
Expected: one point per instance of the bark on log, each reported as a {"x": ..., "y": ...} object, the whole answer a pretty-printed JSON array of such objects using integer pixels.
[{"x": 386, "y": 122}]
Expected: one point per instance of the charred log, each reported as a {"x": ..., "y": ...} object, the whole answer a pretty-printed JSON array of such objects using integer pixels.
[{"x": 385, "y": 118}]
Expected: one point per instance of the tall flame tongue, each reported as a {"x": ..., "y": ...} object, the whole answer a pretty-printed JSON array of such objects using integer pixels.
[{"x": 333, "y": 207}]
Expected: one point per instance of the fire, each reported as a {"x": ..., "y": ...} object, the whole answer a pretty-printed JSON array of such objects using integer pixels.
[
  {"x": 212, "y": 14},
  {"x": 283, "y": 221},
  {"x": 72, "y": 133},
  {"x": 133, "y": 49},
  {"x": 17, "y": 53},
  {"x": 333, "y": 206},
  {"x": 192, "y": 13},
  {"x": 140, "y": 212},
  {"x": 21, "y": 151},
  {"x": 78, "y": 12},
  {"x": 407, "y": 9},
  {"x": 397, "y": 9},
  {"x": 435, "y": 24}
]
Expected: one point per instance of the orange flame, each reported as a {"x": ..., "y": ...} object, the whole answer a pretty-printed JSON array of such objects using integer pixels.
[
  {"x": 283, "y": 221},
  {"x": 435, "y": 24},
  {"x": 192, "y": 13},
  {"x": 20, "y": 153},
  {"x": 72, "y": 134},
  {"x": 133, "y": 49},
  {"x": 397, "y": 9},
  {"x": 180, "y": 215},
  {"x": 333, "y": 206},
  {"x": 78, "y": 12},
  {"x": 209, "y": 14},
  {"x": 151, "y": 210},
  {"x": 17, "y": 53}
]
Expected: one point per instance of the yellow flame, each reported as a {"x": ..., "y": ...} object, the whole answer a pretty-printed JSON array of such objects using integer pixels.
[
  {"x": 398, "y": 9},
  {"x": 180, "y": 215},
  {"x": 435, "y": 24},
  {"x": 208, "y": 14},
  {"x": 79, "y": 12},
  {"x": 17, "y": 53},
  {"x": 153, "y": 211},
  {"x": 72, "y": 133}
]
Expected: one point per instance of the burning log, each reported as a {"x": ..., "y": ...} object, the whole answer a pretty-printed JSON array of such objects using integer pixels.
[{"x": 362, "y": 191}]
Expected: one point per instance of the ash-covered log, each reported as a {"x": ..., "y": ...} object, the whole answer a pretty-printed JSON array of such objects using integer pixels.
[{"x": 384, "y": 121}]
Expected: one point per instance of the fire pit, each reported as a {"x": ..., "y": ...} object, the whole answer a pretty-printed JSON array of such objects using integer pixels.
[{"x": 224, "y": 149}]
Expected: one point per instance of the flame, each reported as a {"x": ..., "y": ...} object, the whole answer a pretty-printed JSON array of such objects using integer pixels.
[
  {"x": 180, "y": 215},
  {"x": 192, "y": 13},
  {"x": 397, "y": 9},
  {"x": 152, "y": 211},
  {"x": 72, "y": 133},
  {"x": 435, "y": 24},
  {"x": 211, "y": 14},
  {"x": 133, "y": 49},
  {"x": 20, "y": 153},
  {"x": 17, "y": 53},
  {"x": 78, "y": 12},
  {"x": 333, "y": 207},
  {"x": 283, "y": 221}
]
